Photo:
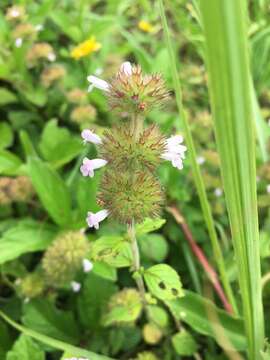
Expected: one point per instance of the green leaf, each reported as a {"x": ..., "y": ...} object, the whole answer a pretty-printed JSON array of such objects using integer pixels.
[
  {"x": 6, "y": 137},
  {"x": 149, "y": 225},
  {"x": 93, "y": 299},
  {"x": 154, "y": 247},
  {"x": 36, "y": 96},
  {"x": 104, "y": 270},
  {"x": 76, "y": 351},
  {"x": 57, "y": 145},
  {"x": 158, "y": 316},
  {"x": 51, "y": 190},
  {"x": 25, "y": 237},
  {"x": 42, "y": 316},
  {"x": 196, "y": 311},
  {"x": 9, "y": 163},
  {"x": 25, "y": 349},
  {"x": 163, "y": 282},
  {"x": 27, "y": 145},
  {"x": 126, "y": 309},
  {"x": 227, "y": 51},
  {"x": 184, "y": 343},
  {"x": 7, "y": 97},
  {"x": 113, "y": 250}
]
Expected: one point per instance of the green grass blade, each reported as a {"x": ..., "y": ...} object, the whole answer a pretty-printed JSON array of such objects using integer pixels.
[
  {"x": 231, "y": 96},
  {"x": 60, "y": 345},
  {"x": 195, "y": 167}
]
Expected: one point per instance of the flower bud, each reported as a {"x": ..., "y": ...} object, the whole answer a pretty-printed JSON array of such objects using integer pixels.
[
  {"x": 132, "y": 92},
  {"x": 146, "y": 355},
  {"x": 51, "y": 74},
  {"x": 32, "y": 285},
  {"x": 64, "y": 257}
]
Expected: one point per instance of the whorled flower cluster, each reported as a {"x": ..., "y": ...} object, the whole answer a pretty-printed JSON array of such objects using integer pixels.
[{"x": 129, "y": 188}]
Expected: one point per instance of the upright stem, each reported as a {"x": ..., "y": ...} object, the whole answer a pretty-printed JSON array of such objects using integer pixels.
[{"x": 136, "y": 261}]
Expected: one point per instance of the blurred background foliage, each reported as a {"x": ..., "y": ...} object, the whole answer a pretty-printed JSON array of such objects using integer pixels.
[{"x": 47, "y": 49}]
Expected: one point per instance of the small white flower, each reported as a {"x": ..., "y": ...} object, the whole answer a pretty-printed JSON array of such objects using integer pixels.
[
  {"x": 268, "y": 188},
  {"x": 15, "y": 13},
  {"x": 98, "y": 71},
  {"x": 87, "y": 265},
  {"x": 18, "y": 42},
  {"x": 268, "y": 122},
  {"x": 88, "y": 166},
  {"x": 126, "y": 68},
  {"x": 39, "y": 27},
  {"x": 218, "y": 192},
  {"x": 200, "y": 160},
  {"x": 75, "y": 286},
  {"x": 174, "y": 151},
  {"x": 51, "y": 57},
  {"x": 93, "y": 219},
  {"x": 98, "y": 83},
  {"x": 90, "y": 136}
]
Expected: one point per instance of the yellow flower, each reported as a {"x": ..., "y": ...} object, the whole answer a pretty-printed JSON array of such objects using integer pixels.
[
  {"x": 145, "y": 26},
  {"x": 85, "y": 48}
]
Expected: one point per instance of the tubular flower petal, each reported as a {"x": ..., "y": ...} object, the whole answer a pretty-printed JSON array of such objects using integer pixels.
[
  {"x": 93, "y": 219},
  {"x": 87, "y": 265},
  {"x": 88, "y": 166},
  {"x": 175, "y": 152},
  {"x": 89, "y": 136},
  {"x": 75, "y": 286},
  {"x": 126, "y": 68},
  {"x": 98, "y": 83}
]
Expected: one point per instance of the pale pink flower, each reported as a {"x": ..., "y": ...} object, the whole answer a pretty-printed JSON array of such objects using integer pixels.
[
  {"x": 18, "y": 42},
  {"x": 126, "y": 68},
  {"x": 268, "y": 188},
  {"x": 90, "y": 136},
  {"x": 200, "y": 160},
  {"x": 174, "y": 151},
  {"x": 88, "y": 166},
  {"x": 93, "y": 219},
  {"x": 87, "y": 265},
  {"x": 51, "y": 56},
  {"x": 98, "y": 83}
]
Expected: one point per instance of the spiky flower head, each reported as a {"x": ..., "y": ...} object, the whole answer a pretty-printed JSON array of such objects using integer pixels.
[
  {"x": 32, "y": 285},
  {"x": 24, "y": 31},
  {"x": 133, "y": 92},
  {"x": 64, "y": 257},
  {"x": 123, "y": 151},
  {"x": 83, "y": 114},
  {"x": 17, "y": 189},
  {"x": 15, "y": 12},
  {"x": 52, "y": 74},
  {"x": 130, "y": 195},
  {"x": 39, "y": 51}
]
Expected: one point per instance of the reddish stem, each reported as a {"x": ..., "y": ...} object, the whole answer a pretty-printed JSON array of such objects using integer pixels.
[{"x": 198, "y": 252}]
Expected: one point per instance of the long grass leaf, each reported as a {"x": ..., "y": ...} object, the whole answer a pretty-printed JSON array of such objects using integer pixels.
[
  {"x": 231, "y": 96},
  {"x": 75, "y": 351},
  {"x": 195, "y": 167}
]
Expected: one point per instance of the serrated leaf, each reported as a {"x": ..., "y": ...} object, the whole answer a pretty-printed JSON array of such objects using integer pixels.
[
  {"x": 154, "y": 247},
  {"x": 25, "y": 349},
  {"x": 195, "y": 310},
  {"x": 42, "y": 316},
  {"x": 104, "y": 270},
  {"x": 25, "y": 237},
  {"x": 113, "y": 250},
  {"x": 51, "y": 190},
  {"x": 6, "y": 135},
  {"x": 184, "y": 343},
  {"x": 163, "y": 282},
  {"x": 149, "y": 225}
]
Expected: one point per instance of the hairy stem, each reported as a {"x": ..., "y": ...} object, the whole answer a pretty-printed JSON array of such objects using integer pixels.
[{"x": 136, "y": 261}]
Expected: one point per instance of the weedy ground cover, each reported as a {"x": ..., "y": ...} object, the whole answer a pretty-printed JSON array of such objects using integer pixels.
[{"x": 134, "y": 180}]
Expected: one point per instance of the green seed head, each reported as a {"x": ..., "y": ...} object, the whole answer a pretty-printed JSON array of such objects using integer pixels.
[{"x": 64, "y": 258}]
